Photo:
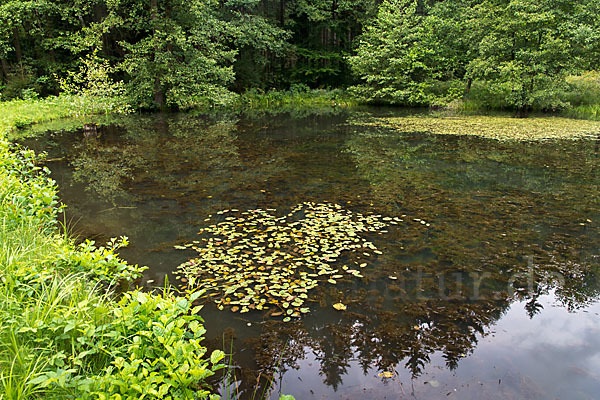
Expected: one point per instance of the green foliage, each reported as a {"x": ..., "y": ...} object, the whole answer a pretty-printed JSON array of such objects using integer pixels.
[
  {"x": 27, "y": 193},
  {"x": 523, "y": 47},
  {"x": 583, "y": 89},
  {"x": 60, "y": 337},
  {"x": 93, "y": 89},
  {"x": 181, "y": 57},
  {"x": 298, "y": 96},
  {"x": 393, "y": 58},
  {"x": 591, "y": 111},
  {"x": 516, "y": 53},
  {"x": 160, "y": 353},
  {"x": 18, "y": 114},
  {"x": 323, "y": 34},
  {"x": 103, "y": 263},
  {"x": 21, "y": 83}
]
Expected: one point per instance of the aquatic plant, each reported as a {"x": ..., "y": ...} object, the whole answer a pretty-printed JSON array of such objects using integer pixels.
[
  {"x": 254, "y": 260},
  {"x": 492, "y": 127}
]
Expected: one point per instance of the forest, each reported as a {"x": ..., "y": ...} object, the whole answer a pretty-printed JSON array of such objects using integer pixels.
[{"x": 175, "y": 54}]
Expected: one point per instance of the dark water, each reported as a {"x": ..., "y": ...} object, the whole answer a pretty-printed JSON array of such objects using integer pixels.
[{"x": 495, "y": 299}]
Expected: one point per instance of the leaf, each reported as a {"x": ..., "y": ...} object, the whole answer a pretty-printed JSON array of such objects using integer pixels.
[
  {"x": 339, "y": 306},
  {"x": 216, "y": 356}
]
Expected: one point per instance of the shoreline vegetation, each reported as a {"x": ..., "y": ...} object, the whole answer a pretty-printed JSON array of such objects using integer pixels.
[{"x": 62, "y": 333}]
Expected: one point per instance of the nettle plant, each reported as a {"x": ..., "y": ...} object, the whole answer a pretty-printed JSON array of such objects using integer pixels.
[
  {"x": 28, "y": 192},
  {"x": 146, "y": 346},
  {"x": 160, "y": 353},
  {"x": 102, "y": 263}
]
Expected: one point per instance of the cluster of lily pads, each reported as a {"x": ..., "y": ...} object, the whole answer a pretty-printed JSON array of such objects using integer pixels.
[{"x": 255, "y": 260}]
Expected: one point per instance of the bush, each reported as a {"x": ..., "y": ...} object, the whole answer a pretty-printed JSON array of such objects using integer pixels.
[
  {"x": 60, "y": 337},
  {"x": 21, "y": 84},
  {"x": 583, "y": 89}
]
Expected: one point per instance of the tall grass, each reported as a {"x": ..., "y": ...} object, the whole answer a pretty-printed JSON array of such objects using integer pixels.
[
  {"x": 61, "y": 336},
  {"x": 298, "y": 96},
  {"x": 591, "y": 111},
  {"x": 21, "y": 113}
]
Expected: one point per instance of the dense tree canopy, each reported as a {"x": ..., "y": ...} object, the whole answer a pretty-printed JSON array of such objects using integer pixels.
[
  {"x": 417, "y": 52},
  {"x": 176, "y": 53}
]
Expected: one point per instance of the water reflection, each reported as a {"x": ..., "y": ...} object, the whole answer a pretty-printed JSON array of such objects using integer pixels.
[{"x": 497, "y": 237}]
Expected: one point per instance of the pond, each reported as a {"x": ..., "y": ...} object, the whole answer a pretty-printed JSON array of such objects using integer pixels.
[{"x": 483, "y": 283}]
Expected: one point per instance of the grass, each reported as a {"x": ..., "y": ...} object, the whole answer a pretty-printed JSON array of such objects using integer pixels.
[
  {"x": 298, "y": 96},
  {"x": 61, "y": 335},
  {"x": 18, "y": 114},
  {"x": 588, "y": 111}
]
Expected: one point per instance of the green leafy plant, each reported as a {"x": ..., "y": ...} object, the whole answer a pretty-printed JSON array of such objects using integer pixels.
[
  {"x": 103, "y": 262},
  {"x": 159, "y": 351},
  {"x": 92, "y": 88}
]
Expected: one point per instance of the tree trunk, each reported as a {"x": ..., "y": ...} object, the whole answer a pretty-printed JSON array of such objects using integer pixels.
[
  {"x": 5, "y": 69},
  {"x": 18, "y": 51},
  {"x": 333, "y": 27},
  {"x": 159, "y": 98}
]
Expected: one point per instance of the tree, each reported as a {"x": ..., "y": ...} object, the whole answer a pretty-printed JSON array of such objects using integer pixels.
[
  {"x": 525, "y": 49},
  {"x": 395, "y": 57},
  {"x": 176, "y": 54}
]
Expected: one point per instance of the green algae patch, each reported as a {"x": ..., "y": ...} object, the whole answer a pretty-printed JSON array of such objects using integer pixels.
[
  {"x": 494, "y": 127},
  {"x": 255, "y": 260}
]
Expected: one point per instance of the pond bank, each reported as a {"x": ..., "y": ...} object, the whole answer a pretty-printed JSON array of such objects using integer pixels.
[{"x": 61, "y": 335}]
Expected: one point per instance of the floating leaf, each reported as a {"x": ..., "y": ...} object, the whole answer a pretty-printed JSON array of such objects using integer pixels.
[
  {"x": 255, "y": 258},
  {"x": 339, "y": 306}
]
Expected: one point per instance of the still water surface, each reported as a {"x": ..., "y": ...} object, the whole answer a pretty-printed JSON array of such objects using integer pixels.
[{"x": 496, "y": 298}]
